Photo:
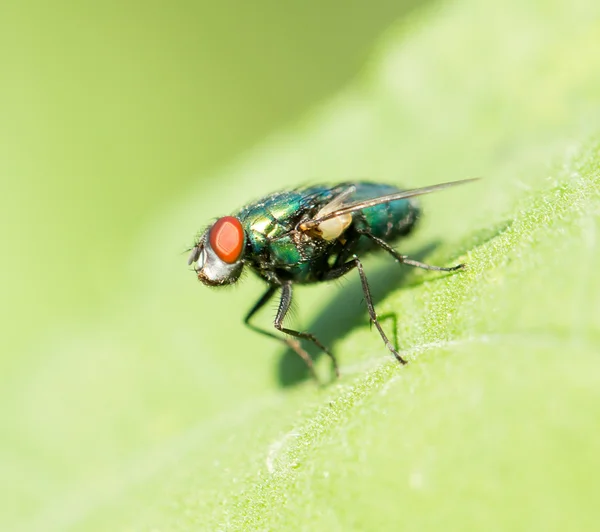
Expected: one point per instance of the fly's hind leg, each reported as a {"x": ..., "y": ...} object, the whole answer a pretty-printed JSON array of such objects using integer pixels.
[
  {"x": 290, "y": 342},
  {"x": 284, "y": 306},
  {"x": 345, "y": 268},
  {"x": 404, "y": 259}
]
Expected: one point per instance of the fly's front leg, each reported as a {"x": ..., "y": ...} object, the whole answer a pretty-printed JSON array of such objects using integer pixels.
[
  {"x": 345, "y": 268},
  {"x": 291, "y": 343},
  {"x": 284, "y": 306},
  {"x": 404, "y": 259}
]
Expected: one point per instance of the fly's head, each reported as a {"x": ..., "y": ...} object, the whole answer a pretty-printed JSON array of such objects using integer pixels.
[{"x": 217, "y": 256}]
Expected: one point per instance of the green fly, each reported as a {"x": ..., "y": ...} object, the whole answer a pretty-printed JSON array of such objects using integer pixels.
[{"x": 310, "y": 235}]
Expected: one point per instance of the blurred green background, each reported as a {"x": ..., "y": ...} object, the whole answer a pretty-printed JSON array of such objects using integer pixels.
[
  {"x": 132, "y": 398},
  {"x": 110, "y": 111}
]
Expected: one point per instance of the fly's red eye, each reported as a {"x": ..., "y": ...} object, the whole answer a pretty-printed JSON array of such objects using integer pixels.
[{"x": 227, "y": 239}]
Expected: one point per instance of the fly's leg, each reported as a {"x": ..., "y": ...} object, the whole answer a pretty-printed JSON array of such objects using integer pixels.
[
  {"x": 291, "y": 343},
  {"x": 371, "y": 308},
  {"x": 391, "y": 316},
  {"x": 345, "y": 268},
  {"x": 284, "y": 306},
  {"x": 404, "y": 259}
]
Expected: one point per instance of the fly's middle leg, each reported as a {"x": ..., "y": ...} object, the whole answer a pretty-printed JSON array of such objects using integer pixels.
[
  {"x": 284, "y": 306},
  {"x": 290, "y": 342}
]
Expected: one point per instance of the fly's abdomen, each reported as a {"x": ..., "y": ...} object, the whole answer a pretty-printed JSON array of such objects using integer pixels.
[{"x": 388, "y": 221}]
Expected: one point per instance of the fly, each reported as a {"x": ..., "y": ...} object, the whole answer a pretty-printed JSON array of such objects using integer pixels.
[{"x": 310, "y": 235}]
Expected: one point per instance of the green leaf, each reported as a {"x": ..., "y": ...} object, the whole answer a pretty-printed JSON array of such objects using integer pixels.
[{"x": 169, "y": 415}]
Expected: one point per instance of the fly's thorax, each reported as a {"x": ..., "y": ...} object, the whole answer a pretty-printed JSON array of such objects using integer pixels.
[
  {"x": 290, "y": 256},
  {"x": 217, "y": 257},
  {"x": 269, "y": 226}
]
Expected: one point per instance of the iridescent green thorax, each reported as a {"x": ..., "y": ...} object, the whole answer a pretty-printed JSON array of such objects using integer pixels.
[{"x": 278, "y": 253}]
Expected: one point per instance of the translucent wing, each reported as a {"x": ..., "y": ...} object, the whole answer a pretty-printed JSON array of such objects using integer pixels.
[
  {"x": 345, "y": 210},
  {"x": 337, "y": 202},
  {"x": 331, "y": 228}
]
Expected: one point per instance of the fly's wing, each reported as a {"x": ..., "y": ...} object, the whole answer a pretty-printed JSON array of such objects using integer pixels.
[
  {"x": 331, "y": 212},
  {"x": 331, "y": 228},
  {"x": 337, "y": 202}
]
